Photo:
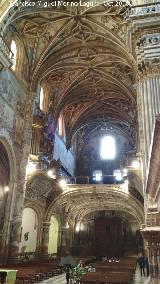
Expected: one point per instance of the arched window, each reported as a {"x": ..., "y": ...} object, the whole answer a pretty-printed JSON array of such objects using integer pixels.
[
  {"x": 61, "y": 126},
  {"x": 14, "y": 54},
  {"x": 43, "y": 99},
  {"x": 107, "y": 148}
]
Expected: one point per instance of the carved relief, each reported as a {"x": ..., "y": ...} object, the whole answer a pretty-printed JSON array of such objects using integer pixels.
[
  {"x": 149, "y": 69},
  {"x": 38, "y": 189},
  {"x": 15, "y": 232}
]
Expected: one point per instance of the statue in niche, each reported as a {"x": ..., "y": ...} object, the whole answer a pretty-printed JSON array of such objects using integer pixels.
[{"x": 26, "y": 236}]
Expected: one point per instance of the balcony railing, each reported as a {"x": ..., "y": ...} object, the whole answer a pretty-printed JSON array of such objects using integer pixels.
[
  {"x": 110, "y": 181},
  {"x": 105, "y": 179}
]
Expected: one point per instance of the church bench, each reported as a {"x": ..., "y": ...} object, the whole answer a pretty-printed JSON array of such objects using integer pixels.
[
  {"x": 105, "y": 278},
  {"x": 36, "y": 273}
]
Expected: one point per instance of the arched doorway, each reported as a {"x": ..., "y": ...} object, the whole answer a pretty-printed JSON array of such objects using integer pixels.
[
  {"x": 29, "y": 231},
  {"x": 53, "y": 235},
  {"x": 4, "y": 187}
]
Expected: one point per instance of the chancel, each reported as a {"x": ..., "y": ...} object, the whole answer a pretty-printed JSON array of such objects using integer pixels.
[{"x": 79, "y": 141}]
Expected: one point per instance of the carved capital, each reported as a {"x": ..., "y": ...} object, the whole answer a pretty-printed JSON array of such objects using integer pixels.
[
  {"x": 149, "y": 69},
  {"x": 152, "y": 236},
  {"x": 46, "y": 226}
]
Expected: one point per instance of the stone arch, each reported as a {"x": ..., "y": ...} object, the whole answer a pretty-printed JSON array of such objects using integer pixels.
[
  {"x": 10, "y": 201},
  {"x": 5, "y": 140},
  {"x": 40, "y": 216},
  {"x": 85, "y": 198}
]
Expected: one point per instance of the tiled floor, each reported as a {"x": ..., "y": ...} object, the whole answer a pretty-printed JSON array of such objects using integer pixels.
[{"x": 138, "y": 279}]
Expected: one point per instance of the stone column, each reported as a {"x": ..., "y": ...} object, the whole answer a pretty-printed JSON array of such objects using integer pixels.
[
  {"x": 148, "y": 90},
  {"x": 152, "y": 237},
  {"x": 45, "y": 240},
  {"x": 22, "y": 151},
  {"x": 39, "y": 238},
  {"x": 65, "y": 241}
]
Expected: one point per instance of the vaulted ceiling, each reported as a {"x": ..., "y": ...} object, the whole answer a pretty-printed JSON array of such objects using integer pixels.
[{"x": 81, "y": 53}]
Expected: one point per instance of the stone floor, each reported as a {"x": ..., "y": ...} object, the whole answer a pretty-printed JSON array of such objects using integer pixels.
[
  {"x": 61, "y": 279},
  {"x": 138, "y": 279}
]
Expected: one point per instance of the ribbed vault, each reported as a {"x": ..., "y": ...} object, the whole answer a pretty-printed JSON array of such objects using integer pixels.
[{"x": 81, "y": 53}]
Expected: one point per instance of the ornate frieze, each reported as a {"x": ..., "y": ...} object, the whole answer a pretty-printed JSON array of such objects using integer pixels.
[
  {"x": 143, "y": 10},
  {"x": 149, "y": 40},
  {"x": 38, "y": 188},
  {"x": 88, "y": 198},
  {"x": 152, "y": 219},
  {"x": 149, "y": 69}
]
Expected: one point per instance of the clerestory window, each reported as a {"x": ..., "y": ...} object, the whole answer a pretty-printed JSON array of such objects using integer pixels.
[{"x": 107, "y": 148}]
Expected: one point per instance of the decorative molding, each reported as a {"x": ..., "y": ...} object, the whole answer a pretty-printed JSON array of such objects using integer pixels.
[
  {"x": 149, "y": 69},
  {"x": 89, "y": 198},
  {"x": 145, "y": 10}
]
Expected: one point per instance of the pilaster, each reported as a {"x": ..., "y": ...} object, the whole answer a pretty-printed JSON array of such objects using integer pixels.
[
  {"x": 22, "y": 150},
  {"x": 45, "y": 240},
  {"x": 152, "y": 237},
  {"x": 64, "y": 248}
]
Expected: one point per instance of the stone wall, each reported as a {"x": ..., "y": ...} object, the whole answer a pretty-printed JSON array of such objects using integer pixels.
[{"x": 15, "y": 134}]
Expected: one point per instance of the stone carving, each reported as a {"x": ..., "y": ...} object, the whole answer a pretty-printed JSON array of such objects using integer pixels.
[
  {"x": 38, "y": 189},
  {"x": 147, "y": 69},
  {"x": 45, "y": 233},
  {"x": 81, "y": 32},
  {"x": 115, "y": 25},
  {"x": 144, "y": 10},
  {"x": 149, "y": 40},
  {"x": 26, "y": 235},
  {"x": 87, "y": 199},
  {"x": 87, "y": 53}
]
